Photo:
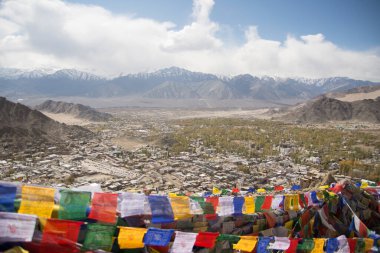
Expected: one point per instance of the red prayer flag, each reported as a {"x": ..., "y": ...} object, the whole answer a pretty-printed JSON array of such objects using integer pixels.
[
  {"x": 337, "y": 188},
  {"x": 235, "y": 190},
  {"x": 60, "y": 236},
  {"x": 279, "y": 188},
  {"x": 103, "y": 207},
  {"x": 214, "y": 200},
  {"x": 352, "y": 244},
  {"x": 206, "y": 239},
  {"x": 293, "y": 246},
  {"x": 267, "y": 202}
]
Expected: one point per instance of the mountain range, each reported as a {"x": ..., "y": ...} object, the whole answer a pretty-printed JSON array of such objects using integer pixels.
[{"x": 168, "y": 83}]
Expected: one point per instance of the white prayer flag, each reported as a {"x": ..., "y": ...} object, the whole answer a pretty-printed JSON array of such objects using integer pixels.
[
  {"x": 15, "y": 227},
  {"x": 280, "y": 243},
  {"x": 343, "y": 244},
  {"x": 226, "y": 206},
  {"x": 132, "y": 204},
  {"x": 195, "y": 207},
  {"x": 183, "y": 242},
  {"x": 276, "y": 201}
]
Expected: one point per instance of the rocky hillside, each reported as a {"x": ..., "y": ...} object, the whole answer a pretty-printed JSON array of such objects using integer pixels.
[
  {"x": 77, "y": 110},
  {"x": 19, "y": 123},
  {"x": 329, "y": 109}
]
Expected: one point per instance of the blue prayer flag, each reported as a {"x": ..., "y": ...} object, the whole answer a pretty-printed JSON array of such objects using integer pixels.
[
  {"x": 263, "y": 244},
  {"x": 238, "y": 205},
  {"x": 158, "y": 237},
  {"x": 296, "y": 187},
  {"x": 7, "y": 197},
  {"x": 332, "y": 245},
  {"x": 161, "y": 209},
  {"x": 314, "y": 198}
]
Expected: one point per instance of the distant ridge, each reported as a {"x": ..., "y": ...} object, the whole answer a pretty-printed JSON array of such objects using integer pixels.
[
  {"x": 169, "y": 83},
  {"x": 19, "y": 123},
  {"x": 329, "y": 109},
  {"x": 77, "y": 110}
]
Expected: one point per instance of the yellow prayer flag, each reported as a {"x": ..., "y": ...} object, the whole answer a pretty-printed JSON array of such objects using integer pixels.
[
  {"x": 181, "y": 207},
  {"x": 37, "y": 200},
  {"x": 318, "y": 245},
  {"x": 364, "y": 184},
  {"x": 172, "y": 194},
  {"x": 261, "y": 190},
  {"x": 289, "y": 224},
  {"x": 216, "y": 191},
  {"x": 131, "y": 238},
  {"x": 288, "y": 202},
  {"x": 296, "y": 201},
  {"x": 323, "y": 187},
  {"x": 368, "y": 244},
  {"x": 249, "y": 203},
  {"x": 320, "y": 195},
  {"x": 246, "y": 243},
  {"x": 16, "y": 249}
]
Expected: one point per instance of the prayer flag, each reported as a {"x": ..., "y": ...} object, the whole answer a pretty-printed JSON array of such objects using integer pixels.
[
  {"x": 305, "y": 245},
  {"x": 181, "y": 207},
  {"x": 183, "y": 242},
  {"x": 37, "y": 200},
  {"x": 276, "y": 201},
  {"x": 332, "y": 245},
  {"x": 60, "y": 236},
  {"x": 99, "y": 236},
  {"x": 296, "y": 201},
  {"x": 249, "y": 205},
  {"x": 343, "y": 244},
  {"x": 131, "y": 238},
  {"x": 323, "y": 213},
  {"x": 259, "y": 200},
  {"x": 296, "y": 187},
  {"x": 280, "y": 243},
  {"x": 73, "y": 205},
  {"x": 368, "y": 244},
  {"x": 206, "y": 239},
  {"x": 158, "y": 237},
  {"x": 7, "y": 197},
  {"x": 132, "y": 204},
  {"x": 279, "y": 188},
  {"x": 318, "y": 245},
  {"x": 216, "y": 191},
  {"x": 267, "y": 202},
  {"x": 238, "y": 205},
  {"x": 214, "y": 201},
  {"x": 293, "y": 245},
  {"x": 16, "y": 227},
  {"x": 195, "y": 206},
  {"x": 261, "y": 190},
  {"x": 246, "y": 243},
  {"x": 103, "y": 207},
  {"x": 226, "y": 206},
  {"x": 262, "y": 246},
  {"x": 161, "y": 209},
  {"x": 360, "y": 228}
]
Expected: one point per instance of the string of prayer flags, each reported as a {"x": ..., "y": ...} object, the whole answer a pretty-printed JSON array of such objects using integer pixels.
[
  {"x": 181, "y": 207},
  {"x": 131, "y": 238},
  {"x": 60, "y": 236},
  {"x": 267, "y": 202},
  {"x": 206, "y": 239},
  {"x": 226, "y": 206},
  {"x": 99, "y": 236},
  {"x": 238, "y": 205},
  {"x": 183, "y": 242},
  {"x": 73, "y": 205},
  {"x": 259, "y": 201},
  {"x": 131, "y": 204},
  {"x": 161, "y": 209},
  {"x": 249, "y": 205},
  {"x": 158, "y": 237},
  {"x": 37, "y": 200},
  {"x": 16, "y": 227},
  {"x": 7, "y": 197},
  {"x": 103, "y": 207},
  {"x": 246, "y": 243},
  {"x": 215, "y": 202},
  {"x": 280, "y": 243},
  {"x": 318, "y": 245}
]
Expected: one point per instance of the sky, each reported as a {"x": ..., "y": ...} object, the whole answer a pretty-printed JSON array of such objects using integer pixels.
[{"x": 285, "y": 38}]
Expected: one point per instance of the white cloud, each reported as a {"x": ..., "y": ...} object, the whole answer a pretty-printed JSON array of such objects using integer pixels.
[{"x": 57, "y": 34}]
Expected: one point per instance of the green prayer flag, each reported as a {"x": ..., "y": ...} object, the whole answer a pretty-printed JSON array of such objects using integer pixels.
[
  {"x": 360, "y": 245},
  {"x": 259, "y": 200},
  {"x": 305, "y": 245},
  {"x": 207, "y": 208},
  {"x": 230, "y": 238},
  {"x": 225, "y": 192},
  {"x": 198, "y": 199},
  {"x": 73, "y": 205},
  {"x": 99, "y": 236}
]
